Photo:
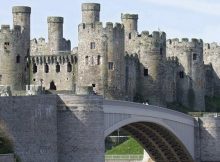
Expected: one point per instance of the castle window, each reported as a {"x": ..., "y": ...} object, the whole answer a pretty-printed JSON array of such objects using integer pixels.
[
  {"x": 57, "y": 68},
  {"x": 181, "y": 74},
  {"x": 98, "y": 60},
  {"x": 110, "y": 65},
  {"x": 92, "y": 60},
  {"x": 161, "y": 51},
  {"x": 84, "y": 26},
  {"x": 92, "y": 45},
  {"x": 145, "y": 72},
  {"x": 17, "y": 59},
  {"x": 87, "y": 60},
  {"x": 69, "y": 67},
  {"x": 46, "y": 68},
  {"x": 0, "y": 77},
  {"x": 6, "y": 45},
  {"x": 129, "y": 36},
  {"x": 34, "y": 68},
  {"x": 93, "y": 85},
  {"x": 208, "y": 46},
  {"x": 194, "y": 56},
  {"x": 75, "y": 59}
]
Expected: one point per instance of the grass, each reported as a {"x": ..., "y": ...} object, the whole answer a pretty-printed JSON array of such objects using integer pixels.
[{"x": 131, "y": 146}]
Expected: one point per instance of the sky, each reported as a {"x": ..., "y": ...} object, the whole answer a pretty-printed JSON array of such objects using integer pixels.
[{"x": 178, "y": 18}]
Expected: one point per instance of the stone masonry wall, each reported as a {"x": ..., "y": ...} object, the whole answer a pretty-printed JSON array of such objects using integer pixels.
[
  {"x": 209, "y": 139},
  {"x": 30, "y": 122},
  {"x": 80, "y": 128}
]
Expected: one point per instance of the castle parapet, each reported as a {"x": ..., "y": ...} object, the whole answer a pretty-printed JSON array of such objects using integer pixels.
[
  {"x": 52, "y": 19},
  {"x": 129, "y": 16},
  {"x": 90, "y": 7},
  {"x": 21, "y": 9},
  {"x": 185, "y": 42}
]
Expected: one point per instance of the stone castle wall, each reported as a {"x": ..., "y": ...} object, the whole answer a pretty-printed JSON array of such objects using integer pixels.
[
  {"x": 54, "y": 72},
  {"x": 163, "y": 72},
  {"x": 212, "y": 58},
  {"x": 191, "y": 78}
]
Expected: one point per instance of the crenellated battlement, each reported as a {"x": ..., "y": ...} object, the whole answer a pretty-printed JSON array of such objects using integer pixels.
[
  {"x": 62, "y": 58},
  {"x": 155, "y": 36},
  {"x": 98, "y": 26},
  {"x": 185, "y": 42},
  {"x": 90, "y": 26},
  {"x": 90, "y": 7},
  {"x": 129, "y": 16},
  {"x": 6, "y": 29},
  {"x": 211, "y": 46},
  {"x": 21, "y": 9},
  {"x": 52, "y": 19}
]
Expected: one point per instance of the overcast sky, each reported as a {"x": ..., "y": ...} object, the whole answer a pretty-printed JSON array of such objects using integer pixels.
[{"x": 178, "y": 18}]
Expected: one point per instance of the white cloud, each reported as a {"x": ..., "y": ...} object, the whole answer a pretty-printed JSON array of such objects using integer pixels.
[{"x": 202, "y": 6}]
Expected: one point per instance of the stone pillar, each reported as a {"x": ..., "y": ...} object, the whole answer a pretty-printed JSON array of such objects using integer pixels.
[
  {"x": 80, "y": 128},
  {"x": 210, "y": 138}
]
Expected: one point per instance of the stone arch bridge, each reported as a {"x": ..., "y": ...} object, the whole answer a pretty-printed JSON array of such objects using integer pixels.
[
  {"x": 165, "y": 134},
  {"x": 72, "y": 128}
]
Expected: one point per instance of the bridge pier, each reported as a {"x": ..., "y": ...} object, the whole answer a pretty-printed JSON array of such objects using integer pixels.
[{"x": 80, "y": 128}]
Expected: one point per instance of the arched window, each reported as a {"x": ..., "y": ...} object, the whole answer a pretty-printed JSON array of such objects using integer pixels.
[
  {"x": 58, "y": 67},
  {"x": 34, "y": 68},
  {"x": 69, "y": 67},
  {"x": 87, "y": 60},
  {"x": 98, "y": 60},
  {"x": 46, "y": 68},
  {"x": 53, "y": 86},
  {"x": 18, "y": 59}
]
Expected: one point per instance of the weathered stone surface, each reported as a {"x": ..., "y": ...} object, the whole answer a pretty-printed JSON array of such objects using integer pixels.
[{"x": 31, "y": 124}]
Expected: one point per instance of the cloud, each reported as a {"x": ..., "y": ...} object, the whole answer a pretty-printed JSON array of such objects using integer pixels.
[{"x": 211, "y": 7}]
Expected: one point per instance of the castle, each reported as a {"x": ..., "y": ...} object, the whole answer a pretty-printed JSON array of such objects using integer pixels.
[{"x": 115, "y": 59}]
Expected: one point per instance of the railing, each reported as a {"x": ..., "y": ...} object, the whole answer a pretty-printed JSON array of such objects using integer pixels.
[
  {"x": 124, "y": 157},
  {"x": 204, "y": 114}
]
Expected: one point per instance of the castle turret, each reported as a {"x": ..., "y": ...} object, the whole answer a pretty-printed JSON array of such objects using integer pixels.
[
  {"x": 21, "y": 17},
  {"x": 90, "y": 12},
  {"x": 130, "y": 22},
  {"x": 55, "y": 34}
]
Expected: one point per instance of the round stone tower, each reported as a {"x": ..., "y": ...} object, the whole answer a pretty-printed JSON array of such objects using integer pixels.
[
  {"x": 130, "y": 22},
  {"x": 90, "y": 12},
  {"x": 21, "y": 17},
  {"x": 55, "y": 33}
]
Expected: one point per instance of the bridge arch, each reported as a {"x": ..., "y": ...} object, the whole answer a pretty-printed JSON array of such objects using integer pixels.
[{"x": 158, "y": 130}]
